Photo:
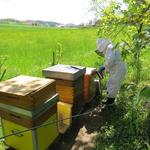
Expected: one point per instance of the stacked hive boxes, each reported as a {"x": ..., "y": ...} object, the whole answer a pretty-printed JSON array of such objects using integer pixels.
[
  {"x": 26, "y": 102},
  {"x": 69, "y": 85},
  {"x": 89, "y": 84}
]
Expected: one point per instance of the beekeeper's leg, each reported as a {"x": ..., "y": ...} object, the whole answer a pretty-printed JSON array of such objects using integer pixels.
[
  {"x": 114, "y": 83},
  {"x": 111, "y": 92}
]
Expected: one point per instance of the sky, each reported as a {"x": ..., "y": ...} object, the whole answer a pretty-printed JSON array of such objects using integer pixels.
[{"x": 61, "y": 11}]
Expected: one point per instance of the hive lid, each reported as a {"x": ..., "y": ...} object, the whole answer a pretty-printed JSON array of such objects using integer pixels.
[
  {"x": 61, "y": 71},
  {"x": 23, "y": 85}
]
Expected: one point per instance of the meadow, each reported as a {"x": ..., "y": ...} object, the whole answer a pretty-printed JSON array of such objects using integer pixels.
[{"x": 29, "y": 49}]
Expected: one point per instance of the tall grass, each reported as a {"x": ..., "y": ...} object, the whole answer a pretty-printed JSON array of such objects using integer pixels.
[{"x": 29, "y": 49}]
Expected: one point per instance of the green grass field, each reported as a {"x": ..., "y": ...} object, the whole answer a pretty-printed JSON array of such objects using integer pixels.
[{"x": 29, "y": 49}]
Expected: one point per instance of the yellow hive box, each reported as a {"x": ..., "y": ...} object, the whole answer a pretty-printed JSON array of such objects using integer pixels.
[
  {"x": 64, "y": 111},
  {"x": 37, "y": 139}
]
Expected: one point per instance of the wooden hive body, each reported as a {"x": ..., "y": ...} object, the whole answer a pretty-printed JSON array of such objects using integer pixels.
[{"x": 28, "y": 118}]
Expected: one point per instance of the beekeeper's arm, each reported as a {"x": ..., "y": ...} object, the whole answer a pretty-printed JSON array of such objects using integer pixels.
[{"x": 109, "y": 61}]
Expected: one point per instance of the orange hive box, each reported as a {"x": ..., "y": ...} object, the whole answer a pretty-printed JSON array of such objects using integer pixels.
[{"x": 89, "y": 84}]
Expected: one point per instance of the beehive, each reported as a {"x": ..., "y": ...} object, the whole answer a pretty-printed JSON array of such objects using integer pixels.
[
  {"x": 27, "y": 102},
  {"x": 69, "y": 83}
]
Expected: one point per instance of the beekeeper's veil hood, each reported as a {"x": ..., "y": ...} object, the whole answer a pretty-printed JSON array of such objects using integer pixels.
[{"x": 102, "y": 44}]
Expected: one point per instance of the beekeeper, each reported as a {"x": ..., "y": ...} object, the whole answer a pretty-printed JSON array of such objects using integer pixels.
[{"x": 114, "y": 65}]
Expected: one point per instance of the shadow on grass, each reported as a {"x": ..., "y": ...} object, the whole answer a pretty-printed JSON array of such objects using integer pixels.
[{"x": 91, "y": 122}]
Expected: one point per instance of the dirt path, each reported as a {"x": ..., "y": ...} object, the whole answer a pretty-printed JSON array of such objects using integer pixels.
[{"x": 82, "y": 134}]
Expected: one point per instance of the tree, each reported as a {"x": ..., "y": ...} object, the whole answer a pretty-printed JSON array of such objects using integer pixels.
[{"x": 132, "y": 15}]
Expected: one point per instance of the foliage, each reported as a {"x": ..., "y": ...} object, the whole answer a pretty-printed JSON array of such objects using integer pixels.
[
  {"x": 125, "y": 128},
  {"x": 118, "y": 17},
  {"x": 135, "y": 107},
  {"x": 144, "y": 93}
]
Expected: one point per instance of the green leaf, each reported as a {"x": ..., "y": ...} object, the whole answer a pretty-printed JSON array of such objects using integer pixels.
[{"x": 145, "y": 92}]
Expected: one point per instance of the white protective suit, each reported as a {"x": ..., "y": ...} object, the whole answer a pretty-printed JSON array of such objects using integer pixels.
[{"x": 114, "y": 65}]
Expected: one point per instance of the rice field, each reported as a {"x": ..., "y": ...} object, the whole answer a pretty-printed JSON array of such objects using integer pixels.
[{"x": 29, "y": 49}]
